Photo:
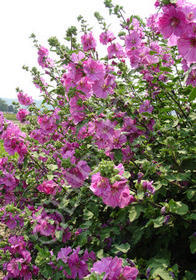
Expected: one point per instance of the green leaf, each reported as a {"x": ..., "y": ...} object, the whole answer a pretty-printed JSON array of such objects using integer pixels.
[
  {"x": 163, "y": 273},
  {"x": 87, "y": 214},
  {"x": 188, "y": 164},
  {"x": 50, "y": 176},
  {"x": 158, "y": 222},
  {"x": 118, "y": 155},
  {"x": 135, "y": 212},
  {"x": 192, "y": 95},
  {"x": 165, "y": 69},
  {"x": 192, "y": 244},
  {"x": 190, "y": 193},
  {"x": 178, "y": 207},
  {"x": 122, "y": 247}
]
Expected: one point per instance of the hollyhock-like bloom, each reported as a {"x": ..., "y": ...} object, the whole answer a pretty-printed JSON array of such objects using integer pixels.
[
  {"x": 115, "y": 50},
  {"x": 75, "y": 176},
  {"x": 48, "y": 187},
  {"x": 132, "y": 40},
  {"x": 99, "y": 185},
  {"x": 43, "y": 51},
  {"x": 13, "y": 138},
  {"x": 88, "y": 42},
  {"x": 191, "y": 80},
  {"x": 24, "y": 99},
  {"x": 47, "y": 123},
  {"x": 116, "y": 194},
  {"x": 148, "y": 186},
  {"x": 190, "y": 11},
  {"x": 76, "y": 110},
  {"x": 17, "y": 244},
  {"x": 113, "y": 269},
  {"x": 25, "y": 273},
  {"x": 84, "y": 85},
  {"x": 64, "y": 254},
  {"x": 78, "y": 267},
  {"x": 102, "y": 88},
  {"x": 43, "y": 59},
  {"x": 11, "y": 223},
  {"x": 146, "y": 107},
  {"x": 40, "y": 84},
  {"x": 172, "y": 21},
  {"x": 44, "y": 227},
  {"x": 22, "y": 114},
  {"x": 187, "y": 48},
  {"x": 102, "y": 266},
  {"x": 129, "y": 273},
  {"x": 106, "y": 37},
  {"x": 77, "y": 57},
  {"x": 95, "y": 70},
  {"x": 118, "y": 139},
  {"x": 13, "y": 267}
]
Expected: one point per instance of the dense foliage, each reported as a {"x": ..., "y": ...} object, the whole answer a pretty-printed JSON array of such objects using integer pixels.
[{"x": 104, "y": 182}]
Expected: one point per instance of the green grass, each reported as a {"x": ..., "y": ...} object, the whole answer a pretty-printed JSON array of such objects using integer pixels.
[{"x": 10, "y": 117}]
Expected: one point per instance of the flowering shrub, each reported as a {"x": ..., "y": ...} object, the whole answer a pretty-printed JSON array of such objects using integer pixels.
[{"x": 103, "y": 184}]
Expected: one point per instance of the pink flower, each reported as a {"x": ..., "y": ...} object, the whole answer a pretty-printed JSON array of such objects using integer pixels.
[
  {"x": 63, "y": 254},
  {"x": 48, "y": 187},
  {"x": 95, "y": 70},
  {"x": 102, "y": 88},
  {"x": 84, "y": 85},
  {"x": 22, "y": 114},
  {"x": 106, "y": 37},
  {"x": 88, "y": 42},
  {"x": 187, "y": 48},
  {"x": 43, "y": 51},
  {"x": 172, "y": 21},
  {"x": 47, "y": 123},
  {"x": 191, "y": 80},
  {"x": 132, "y": 40},
  {"x": 76, "y": 110},
  {"x": 115, "y": 50},
  {"x": 78, "y": 267},
  {"x": 146, "y": 107},
  {"x": 24, "y": 99},
  {"x": 99, "y": 185},
  {"x": 129, "y": 273},
  {"x": 13, "y": 268}
]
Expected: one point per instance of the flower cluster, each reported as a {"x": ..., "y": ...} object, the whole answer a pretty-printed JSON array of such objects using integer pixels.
[
  {"x": 113, "y": 194},
  {"x": 112, "y": 267},
  {"x": 20, "y": 264}
]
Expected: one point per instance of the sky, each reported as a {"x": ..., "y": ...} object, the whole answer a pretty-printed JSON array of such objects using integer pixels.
[{"x": 46, "y": 18}]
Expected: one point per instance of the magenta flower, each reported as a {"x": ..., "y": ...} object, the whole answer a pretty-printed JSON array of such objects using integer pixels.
[
  {"x": 173, "y": 21},
  {"x": 76, "y": 110},
  {"x": 187, "y": 48},
  {"x": 129, "y": 273},
  {"x": 43, "y": 51},
  {"x": 99, "y": 185},
  {"x": 95, "y": 70},
  {"x": 24, "y": 99},
  {"x": 88, "y": 42},
  {"x": 78, "y": 267},
  {"x": 13, "y": 268},
  {"x": 64, "y": 253},
  {"x": 106, "y": 37},
  {"x": 191, "y": 80},
  {"x": 22, "y": 114},
  {"x": 47, "y": 123},
  {"x": 146, "y": 107},
  {"x": 132, "y": 40},
  {"x": 84, "y": 85},
  {"x": 48, "y": 187},
  {"x": 115, "y": 50}
]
